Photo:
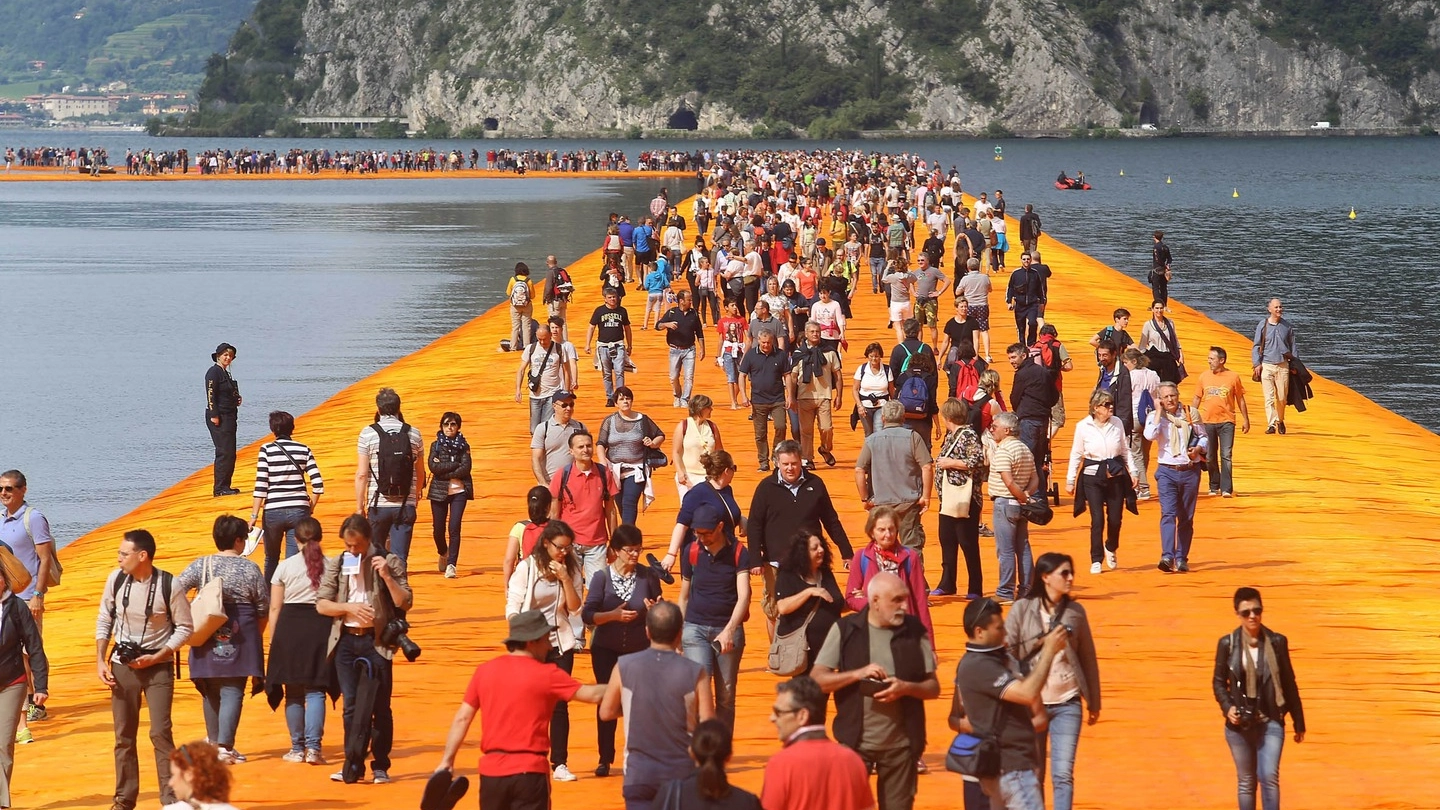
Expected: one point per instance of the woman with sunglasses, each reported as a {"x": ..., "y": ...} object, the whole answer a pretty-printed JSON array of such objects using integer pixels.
[
  {"x": 1255, "y": 686},
  {"x": 199, "y": 777},
  {"x": 549, "y": 580},
  {"x": 619, "y": 598},
  {"x": 1074, "y": 673},
  {"x": 715, "y": 492},
  {"x": 1100, "y": 460},
  {"x": 450, "y": 488}
]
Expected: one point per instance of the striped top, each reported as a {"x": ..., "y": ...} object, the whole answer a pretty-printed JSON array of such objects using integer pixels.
[{"x": 279, "y": 481}]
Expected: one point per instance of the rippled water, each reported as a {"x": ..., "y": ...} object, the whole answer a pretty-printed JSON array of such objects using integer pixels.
[{"x": 115, "y": 294}]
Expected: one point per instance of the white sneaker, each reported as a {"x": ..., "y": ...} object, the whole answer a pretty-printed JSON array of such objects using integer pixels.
[
  {"x": 1095, "y": 568},
  {"x": 1111, "y": 560},
  {"x": 450, "y": 572},
  {"x": 563, "y": 774}
]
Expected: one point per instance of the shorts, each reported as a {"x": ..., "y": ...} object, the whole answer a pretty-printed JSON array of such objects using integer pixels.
[
  {"x": 768, "y": 603},
  {"x": 1057, "y": 415},
  {"x": 927, "y": 311},
  {"x": 654, "y": 298},
  {"x": 645, "y": 257},
  {"x": 732, "y": 369},
  {"x": 900, "y": 310},
  {"x": 982, "y": 317}
]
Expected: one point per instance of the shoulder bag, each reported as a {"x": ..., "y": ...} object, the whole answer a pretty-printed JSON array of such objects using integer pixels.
[
  {"x": 17, "y": 576},
  {"x": 974, "y": 755},
  {"x": 207, "y": 609},
  {"x": 788, "y": 651},
  {"x": 56, "y": 569}
]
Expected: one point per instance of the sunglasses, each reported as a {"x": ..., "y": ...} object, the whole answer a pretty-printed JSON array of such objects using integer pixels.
[
  {"x": 1248, "y": 612},
  {"x": 7, "y": 488}
]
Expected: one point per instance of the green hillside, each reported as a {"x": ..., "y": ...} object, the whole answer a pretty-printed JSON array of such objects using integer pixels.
[{"x": 150, "y": 44}]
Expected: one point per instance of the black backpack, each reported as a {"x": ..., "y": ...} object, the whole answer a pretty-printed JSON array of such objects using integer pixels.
[{"x": 395, "y": 463}]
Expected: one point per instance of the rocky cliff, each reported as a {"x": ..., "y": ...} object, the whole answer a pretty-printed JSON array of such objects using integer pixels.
[{"x": 835, "y": 66}]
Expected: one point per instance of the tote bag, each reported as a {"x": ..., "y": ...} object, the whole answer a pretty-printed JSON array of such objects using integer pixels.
[{"x": 207, "y": 609}]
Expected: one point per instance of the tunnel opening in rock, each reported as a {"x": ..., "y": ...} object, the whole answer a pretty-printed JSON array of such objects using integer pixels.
[
  {"x": 490, "y": 124},
  {"x": 683, "y": 119}
]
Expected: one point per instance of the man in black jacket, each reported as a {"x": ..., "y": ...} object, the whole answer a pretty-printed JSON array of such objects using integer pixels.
[
  {"x": 784, "y": 504},
  {"x": 1032, "y": 395},
  {"x": 1160, "y": 269},
  {"x": 1025, "y": 295},
  {"x": 222, "y": 406},
  {"x": 1115, "y": 379},
  {"x": 1029, "y": 229},
  {"x": 880, "y": 666}
]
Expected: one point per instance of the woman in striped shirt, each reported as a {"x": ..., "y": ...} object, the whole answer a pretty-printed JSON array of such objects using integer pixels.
[{"x": 280, "y": 473}]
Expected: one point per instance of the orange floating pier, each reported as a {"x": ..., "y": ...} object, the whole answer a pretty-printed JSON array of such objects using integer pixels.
[
  {"x": 1335, "y": 523},
  {"x": 56, "y": 174}
]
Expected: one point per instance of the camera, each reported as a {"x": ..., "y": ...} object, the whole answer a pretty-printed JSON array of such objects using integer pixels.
[
  {"x": 1248, "y": 714},
  {"x": 127, "y": 651},
  {"x": 394, "y": 635}
]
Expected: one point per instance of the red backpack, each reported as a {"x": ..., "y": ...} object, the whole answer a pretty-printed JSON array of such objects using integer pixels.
[
  {"x": 1046, "y": 354},
  {"x": 967, "y": 380}
]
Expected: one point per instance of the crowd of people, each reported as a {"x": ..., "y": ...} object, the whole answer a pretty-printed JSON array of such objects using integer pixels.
[{"x": 781, "y": 297}]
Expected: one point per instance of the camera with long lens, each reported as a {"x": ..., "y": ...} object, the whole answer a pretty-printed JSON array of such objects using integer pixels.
[
  {"x": 127, "y": 651},
  {"x": 395, "y": 635}
]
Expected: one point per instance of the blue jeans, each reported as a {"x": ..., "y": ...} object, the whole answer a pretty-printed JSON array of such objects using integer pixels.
[
  {"x": 877, "y": 269},
  {"x": 1012, "y": 549},
  {"x": 1220, "y": 437},
  {"x": 305, "y": 716},
  {"x": 222, "y": 700},
  {"x": 732, "y": 368},
  {"x": 278, "y": 522},
  {"x": 612, "y": 366},
  {"x": 392, "y": 527},
  {"x": 445, "y": 515},
  {"x": 1062, "y": 739},
  {"x": 631, "y": 491},
  {"x": 541, "y": 409},
  {"x": 682, "y": 367},
  {"x": 1015, "y": 790},
  {"x": 1178, "y": 491},
  {"x": 1257, "y": 754},
  {"x": 724, "y": 670}
]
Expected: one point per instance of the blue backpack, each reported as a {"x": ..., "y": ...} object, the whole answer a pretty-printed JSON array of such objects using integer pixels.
[{"x": 915, "y": 396}]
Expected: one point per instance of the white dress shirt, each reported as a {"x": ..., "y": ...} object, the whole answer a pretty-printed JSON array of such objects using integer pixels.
[
  {"x": 1099, "y": 441},
  {"x": 1171, "y": 437}
]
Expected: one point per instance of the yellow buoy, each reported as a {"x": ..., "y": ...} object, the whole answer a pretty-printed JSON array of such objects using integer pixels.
[
  {"x": 1352, "y": 212},
  {"x": 1235, "y": 193},
  {"x": 1167, "y": 179},
  {"x": 1122, "y": 172}
]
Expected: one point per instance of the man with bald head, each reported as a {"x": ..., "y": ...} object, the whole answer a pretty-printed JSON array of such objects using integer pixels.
[{"x": 880, "y": 666}]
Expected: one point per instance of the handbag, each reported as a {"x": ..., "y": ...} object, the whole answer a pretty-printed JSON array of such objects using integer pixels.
[
  {"x": 207, "y": 609},
  {"x": 17, "y": 576},
  {"x": 1037, "y": 509},
  {"x": 1256, "y": 371},
  {"x": 956, "y": 499},
  {"x": 973, "y": 755},
  {"x": 788, "y": 652}
]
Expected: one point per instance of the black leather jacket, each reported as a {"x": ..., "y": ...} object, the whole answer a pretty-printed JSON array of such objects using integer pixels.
[
  {"x": 1229, "y": 680},
  {"x": 18, "y": 636}
]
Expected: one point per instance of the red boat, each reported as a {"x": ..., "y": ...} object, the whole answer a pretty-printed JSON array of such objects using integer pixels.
[{"x": 1071, "y": 184}]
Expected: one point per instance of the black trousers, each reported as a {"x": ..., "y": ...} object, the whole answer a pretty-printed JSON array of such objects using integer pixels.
[
  {"x": 603, "y": 661},
  {"x": 1106, "y": 504},
  {"x": 223, "y": 436},
  {"x": 560, "y": 718},
  {"x": 957, "y": 535},
  {"x": 1160, "y": 288},
  {"x": 522, "y": 791}
]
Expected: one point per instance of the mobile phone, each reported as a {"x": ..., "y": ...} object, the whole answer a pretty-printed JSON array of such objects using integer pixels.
[{"x": 872, "y": 686}]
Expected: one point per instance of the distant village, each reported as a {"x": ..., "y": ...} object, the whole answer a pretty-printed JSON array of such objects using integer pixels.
[{"x": 109, "y": 103}]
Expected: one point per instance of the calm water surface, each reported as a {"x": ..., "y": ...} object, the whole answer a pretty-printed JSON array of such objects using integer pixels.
[{"x": 116, "y": 293}]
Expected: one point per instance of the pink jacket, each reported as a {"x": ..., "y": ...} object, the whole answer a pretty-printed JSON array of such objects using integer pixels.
[{"x": 864, "y": 567}]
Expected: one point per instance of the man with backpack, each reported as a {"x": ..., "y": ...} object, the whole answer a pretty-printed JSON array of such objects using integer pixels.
[
  {"x": 895, "y": 470},
  {"x": 521, "y": 310},
  {"x": 26, "y": 532},
  {"x": 583, "y": 495},
  {"x": 546, "y": 367},
  {"x": 149, "y": 619},
  {"x": 558, "y": 288},
  {"x": 1025, "y": 295},
  {"x": 390, "y": 475}
]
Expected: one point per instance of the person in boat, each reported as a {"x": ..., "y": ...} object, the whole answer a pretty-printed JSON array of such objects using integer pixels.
[
  {"x": 1063, "y": 179},
  {"x": 1080, "y": 178}
]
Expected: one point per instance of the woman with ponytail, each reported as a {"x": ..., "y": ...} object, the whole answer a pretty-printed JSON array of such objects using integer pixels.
[
  {"x": 298, "y": 669},
  {"x": 708, "y": 788}
]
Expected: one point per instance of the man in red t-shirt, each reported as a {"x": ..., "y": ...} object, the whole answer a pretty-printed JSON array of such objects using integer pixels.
[
  {"x": 515, "y": 695},
  {"x": 583, "y": 495},
  {"x": 812, "y": 772}
]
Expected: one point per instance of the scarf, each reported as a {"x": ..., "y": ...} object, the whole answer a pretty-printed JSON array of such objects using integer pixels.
[
  {"x": 1272, "y": 668},
  {"x": 454, "y": 448},
  {"x": 812, "y": 360},
  {"x": 624, "y": 586}
]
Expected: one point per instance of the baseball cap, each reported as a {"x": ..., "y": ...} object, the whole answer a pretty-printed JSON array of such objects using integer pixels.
[
  {"x": 562, "y": 395},
  {"x": 706, "y": 517}
]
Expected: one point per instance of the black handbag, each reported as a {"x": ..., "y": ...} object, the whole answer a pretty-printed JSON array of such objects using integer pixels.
[{"x": 1037, "y": 509}]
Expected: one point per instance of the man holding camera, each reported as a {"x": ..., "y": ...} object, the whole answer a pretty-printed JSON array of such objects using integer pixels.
[
  {"x": 367, "y": 592},
  {"x": 1001, "y": 705},
  {"x": 149, "y": 620},
  {"x": 881, "y": 668}
]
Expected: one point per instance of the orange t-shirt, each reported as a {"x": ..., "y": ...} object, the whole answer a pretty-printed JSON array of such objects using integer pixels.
[{"x": 1219, "y": 396}]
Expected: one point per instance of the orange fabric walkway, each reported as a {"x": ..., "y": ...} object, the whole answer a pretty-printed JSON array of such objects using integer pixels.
[{"x": 1335, "y": 523}]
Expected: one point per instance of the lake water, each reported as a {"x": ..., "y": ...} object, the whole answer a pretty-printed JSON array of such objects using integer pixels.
[{"x": 116, "y": 293}]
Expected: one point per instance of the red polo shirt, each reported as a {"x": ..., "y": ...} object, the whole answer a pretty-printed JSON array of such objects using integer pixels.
[{"x": 582, "y": 507}]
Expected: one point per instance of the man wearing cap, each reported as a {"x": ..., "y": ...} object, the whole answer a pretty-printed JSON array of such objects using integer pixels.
[
  {"x": 550, "y": 440},
  {"x": 715, "y": 597},
  {"x": 1001, "y": 704},
  {"x": 544, "y": 369},
  {"x": 222, "y": 405},
  {"x": 515, "y": 694},
  {"x": 673, "y": 695}
]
